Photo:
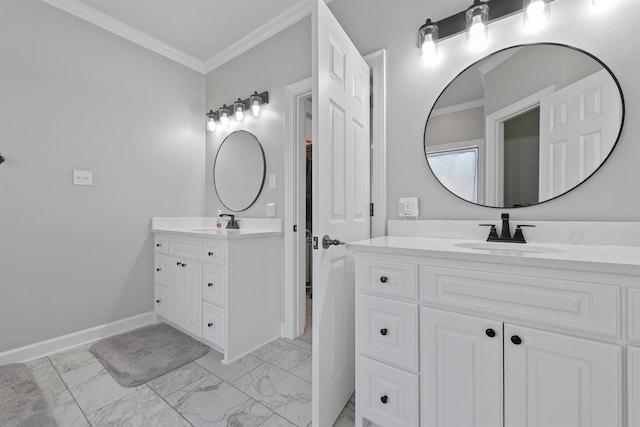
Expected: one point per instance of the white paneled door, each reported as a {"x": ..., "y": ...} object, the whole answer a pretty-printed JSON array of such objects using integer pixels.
[
  {"x": 341, "y": 194},
  {"x": 578, "y": 126}
]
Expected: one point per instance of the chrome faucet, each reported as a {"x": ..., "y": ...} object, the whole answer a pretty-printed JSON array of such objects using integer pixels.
[
  {"x": 505, "y": 233},
  {"x": 232, "y": 224}
]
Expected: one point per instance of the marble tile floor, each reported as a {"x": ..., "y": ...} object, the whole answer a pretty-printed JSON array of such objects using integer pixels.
[{"x": 270, "y": 387}]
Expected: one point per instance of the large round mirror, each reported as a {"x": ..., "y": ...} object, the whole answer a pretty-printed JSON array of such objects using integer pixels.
[
  {"x": 238, "y": 171},
  {"x": 524, "y": 125}
]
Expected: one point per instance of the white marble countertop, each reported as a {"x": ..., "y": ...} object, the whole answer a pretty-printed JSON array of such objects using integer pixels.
[
  {"x": 206, "y": 227},
  {"x": 596, "y": 258}
]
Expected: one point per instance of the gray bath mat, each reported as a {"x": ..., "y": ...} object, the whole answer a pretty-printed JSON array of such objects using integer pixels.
[
  {"x": 138, "y": 356},
  {"x": 22, "y": 403}
]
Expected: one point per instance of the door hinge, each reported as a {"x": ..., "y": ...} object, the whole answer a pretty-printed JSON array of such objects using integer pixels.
[
  {"x": 315, "y": 242},
  {"x": 295, "y": 228},
  {"x": 370, "y": 209}
]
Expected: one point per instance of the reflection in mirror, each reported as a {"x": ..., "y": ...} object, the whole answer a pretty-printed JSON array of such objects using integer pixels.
[
  {"x": 239, "y": 170},
  {"x": 524, "y": 125}
]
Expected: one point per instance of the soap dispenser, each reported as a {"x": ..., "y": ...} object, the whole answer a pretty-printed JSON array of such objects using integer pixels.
[{"x": 219, "y": 219}]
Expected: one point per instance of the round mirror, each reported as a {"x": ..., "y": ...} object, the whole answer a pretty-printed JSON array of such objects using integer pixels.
[
  {"x": 524, "y": 125},
  {"x": 238, "y": 171}
]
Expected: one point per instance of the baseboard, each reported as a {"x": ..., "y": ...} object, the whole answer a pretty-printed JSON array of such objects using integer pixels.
[
  {"x": 54, "y": 345},
  {"x": 251, "y": 350}
]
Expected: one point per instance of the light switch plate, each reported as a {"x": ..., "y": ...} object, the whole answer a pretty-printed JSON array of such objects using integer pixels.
[
  {"x": 82, "y": 177},
  {"x": 408, "y": 207},
  {"x": 271, "y": 210}
]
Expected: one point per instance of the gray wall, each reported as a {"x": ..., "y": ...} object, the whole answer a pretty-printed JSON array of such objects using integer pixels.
[
  {"x": 74, "y": 96},
  {"x": 446, "y": 128},
  {"x": 513, "y": 80},
  {"x": 608, "y": 34},
  {"x": 276, "y": 63}
]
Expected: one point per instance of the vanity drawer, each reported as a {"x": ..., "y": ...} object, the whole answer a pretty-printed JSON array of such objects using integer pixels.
[
  {"x": 387, "y": 278},
  {"x": 389, "y": 331},
  {"x": 161, "y": 244},
  {"x": 214, "y": 284},
  {"x": 577, "y": 305},
  {"x": 213, "y": 324},
  {"x": 633, "y": 298},
  {"x": 185, "y": 248},
  {"x": 386, "y": 395},
  {"x": 160, "y": 300},
  {"x": 214, "y": 251},
  {"x": 161, "y": 269}
]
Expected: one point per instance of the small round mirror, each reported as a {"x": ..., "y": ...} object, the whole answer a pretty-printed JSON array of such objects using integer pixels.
[
  {"x": 524, "y": 125},
  {"x": 239, "y": 170}
]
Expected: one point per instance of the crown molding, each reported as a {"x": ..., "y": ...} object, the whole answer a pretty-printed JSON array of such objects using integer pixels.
[
  {"x": 102, "y": 20},
  {"x": 260, "y": 34},
  {"x": 476, "y": 103}
]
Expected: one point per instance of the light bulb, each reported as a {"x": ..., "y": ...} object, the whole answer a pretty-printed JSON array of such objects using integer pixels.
[
  {"x": 429, "y": 49},
  {"x": 211, "y": 124},
  {"x": 255, "y": 108},
  {"x": 477, "y": 28},
  {"x": 239, "y": 114},
  {"x": 224, "y": 118},
  {"x": 536, "y": 14}
]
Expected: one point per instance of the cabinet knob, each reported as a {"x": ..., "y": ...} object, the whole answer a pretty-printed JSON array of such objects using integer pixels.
[
  {"x": 209, "y": 324},
  {"x": 158, "y": 269},
  {"x": 383, "y": 279},
  {"x": 178, "y": 263},
  {"x": 384, "y": 331},
  {"x": 490, "y": 333},
  {"x": 209, "y": 284},
  {"x": 158, "y": 245},
  {"x": 158, "y": 301},
  {"x": 184, "y": 265},
  {"x": 516, "y": 340},
  {"x": 210, "y": 253},
  {"x": 384, "y": 399}
]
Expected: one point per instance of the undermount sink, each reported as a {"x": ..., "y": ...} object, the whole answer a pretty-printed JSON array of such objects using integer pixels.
[{"x": 510, "y": 247}]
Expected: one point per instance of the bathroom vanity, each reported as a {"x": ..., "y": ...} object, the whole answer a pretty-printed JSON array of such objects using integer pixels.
[
  {"x": 221, "y": 286},
  {"x": 453, "y": 332}
]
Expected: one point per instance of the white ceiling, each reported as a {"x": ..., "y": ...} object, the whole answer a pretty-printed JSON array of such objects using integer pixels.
[{"x": 203, "y": 34}]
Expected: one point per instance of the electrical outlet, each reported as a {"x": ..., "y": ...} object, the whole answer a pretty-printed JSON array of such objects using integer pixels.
[
  {"x": 82, "y": 177},
  {"x": 408, "y": 207}
]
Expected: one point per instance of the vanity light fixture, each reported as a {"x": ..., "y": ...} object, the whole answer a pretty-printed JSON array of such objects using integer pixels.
[
  {"x": 477, "y": 17},
  {"x": 427, "y": 38},
  {"x": 474, "y": 21},
  {"x": 238, "y": 108},
  {"x": 536, "y": 13}
]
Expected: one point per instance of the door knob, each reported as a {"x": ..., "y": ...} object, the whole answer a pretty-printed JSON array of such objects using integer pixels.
[{"x": 328, "y": 241}]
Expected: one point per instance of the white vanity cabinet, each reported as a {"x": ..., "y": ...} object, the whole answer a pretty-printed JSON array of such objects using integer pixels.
[
  {"x": 224, "y": 291},
  {"x": 502, "y": 342}
]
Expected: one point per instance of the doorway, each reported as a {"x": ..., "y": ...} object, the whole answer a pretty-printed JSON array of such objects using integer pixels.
[{"x": 298, "y": 103}]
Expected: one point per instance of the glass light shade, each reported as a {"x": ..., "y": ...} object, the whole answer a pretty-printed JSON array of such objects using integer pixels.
[
  {"x": 255, "y": 102},
  {"x": 477, "y": 19},
  {"x": 211, "y": 124},
  {"x": 238, "y": 108},
  {"x": 427, "y": 38},
  {"x": 224, "y": 116},
  {"x": 536, "y": 13}
]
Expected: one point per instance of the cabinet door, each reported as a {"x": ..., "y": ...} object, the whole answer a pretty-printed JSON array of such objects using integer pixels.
[
  {"x": 633, "y": 378},
  {"x": 174, "y": 286},
  {"x": 553, "y": 380},
  {"x": 160, "y": 300},
  {"x": 461, "y": 370},
  {"x": 192, "y": 297}
]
